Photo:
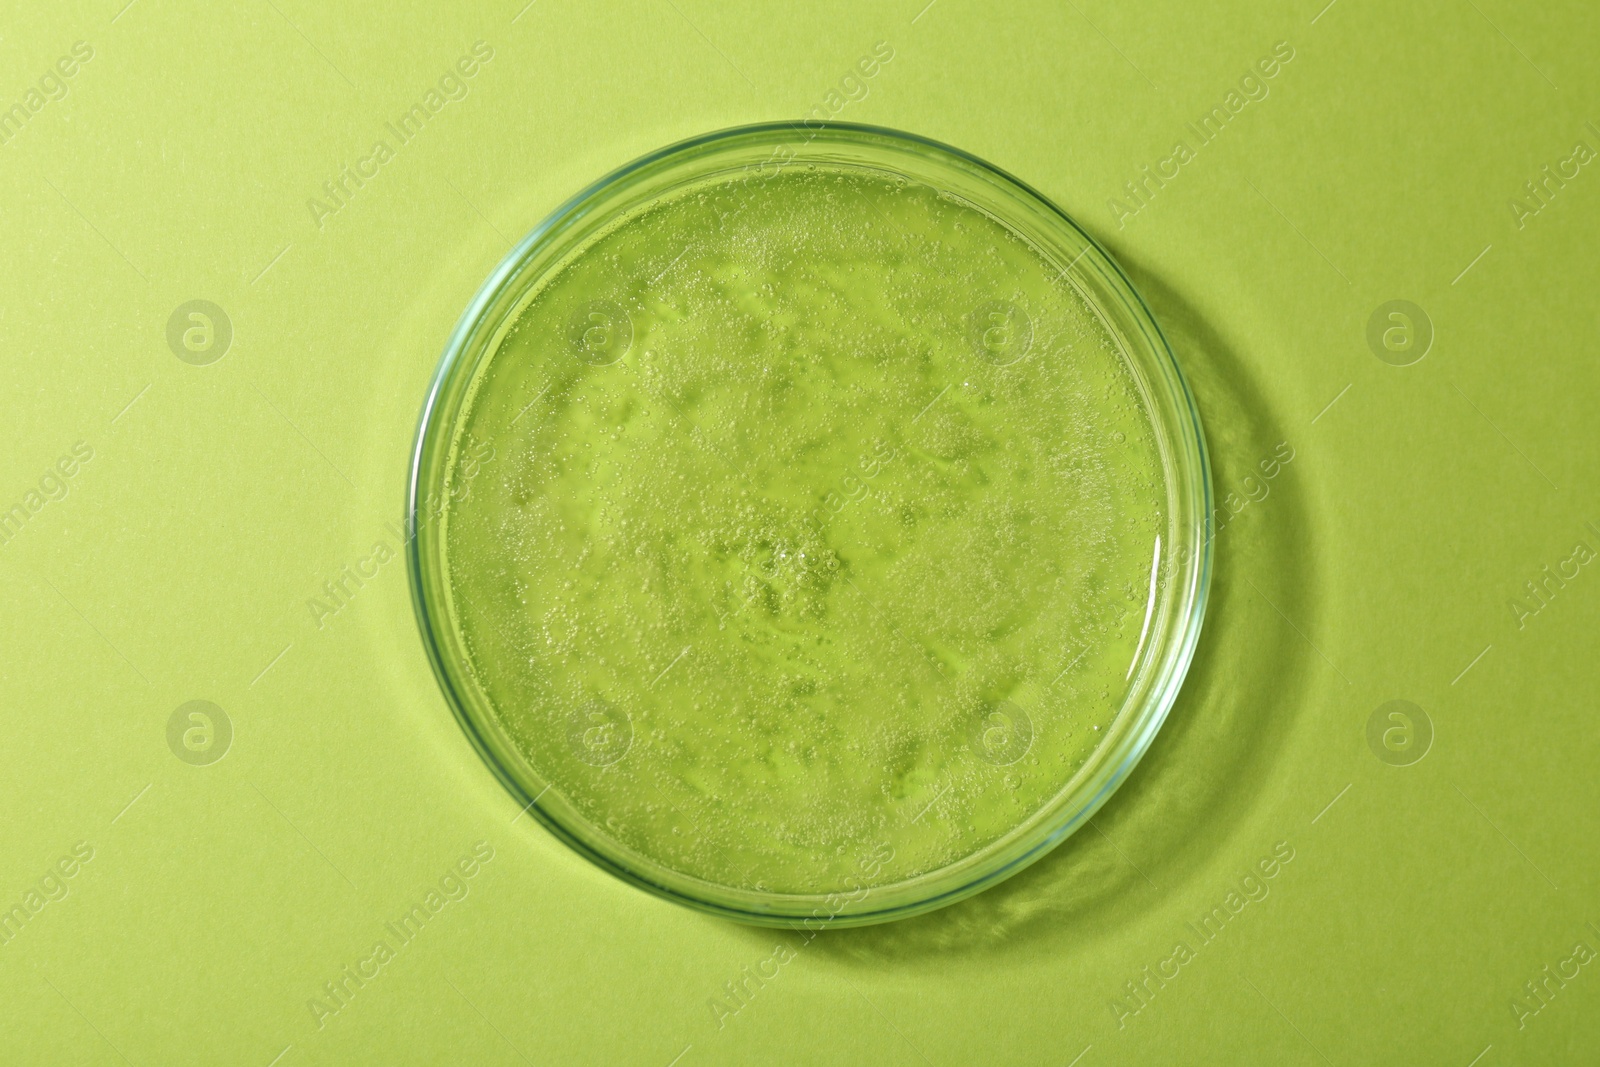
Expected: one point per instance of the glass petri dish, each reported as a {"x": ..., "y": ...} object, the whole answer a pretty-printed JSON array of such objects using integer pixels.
[{"x": 809, "y": 524}]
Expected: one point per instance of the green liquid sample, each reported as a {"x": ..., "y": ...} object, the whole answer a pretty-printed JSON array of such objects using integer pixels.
[{"x": 819, "y": 526}]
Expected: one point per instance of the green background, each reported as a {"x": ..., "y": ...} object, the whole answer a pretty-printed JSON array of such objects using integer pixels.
[{"x": 1381, "y": 563}]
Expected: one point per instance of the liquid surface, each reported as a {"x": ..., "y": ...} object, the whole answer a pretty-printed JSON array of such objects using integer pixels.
[{"x": 801, "y": 531}]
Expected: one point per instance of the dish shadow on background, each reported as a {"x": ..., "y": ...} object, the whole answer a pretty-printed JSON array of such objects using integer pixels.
[{"x": 1203, "y": 775}]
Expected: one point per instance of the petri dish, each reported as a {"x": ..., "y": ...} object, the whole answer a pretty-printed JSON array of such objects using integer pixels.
[{"x": 809, "y": 524}]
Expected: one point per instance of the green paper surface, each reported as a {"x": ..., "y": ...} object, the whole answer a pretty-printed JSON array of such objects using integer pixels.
[{"x": 1282, "y": 879}]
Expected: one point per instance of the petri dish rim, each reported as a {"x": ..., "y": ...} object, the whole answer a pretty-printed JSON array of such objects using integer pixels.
[{"x": 1185, "y": 567}]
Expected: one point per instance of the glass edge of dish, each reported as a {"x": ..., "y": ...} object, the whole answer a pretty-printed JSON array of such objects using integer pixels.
[{"x": 1114, "y": 764}]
